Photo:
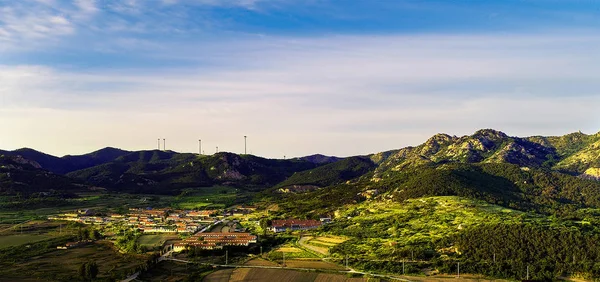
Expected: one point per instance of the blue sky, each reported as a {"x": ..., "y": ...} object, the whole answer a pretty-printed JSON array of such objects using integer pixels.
[{"x": 298, "y": 77}]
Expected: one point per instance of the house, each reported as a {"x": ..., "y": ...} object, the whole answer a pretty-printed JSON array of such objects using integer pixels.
[
  {"x": 209, "y": 241},
  {"x": 325, "y": 219},
  {"x": 69, "y": 245},
  {"x": 281, "y": 225}
]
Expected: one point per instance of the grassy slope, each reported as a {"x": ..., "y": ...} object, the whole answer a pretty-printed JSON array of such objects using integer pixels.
[{"x": 380, "y": 230}]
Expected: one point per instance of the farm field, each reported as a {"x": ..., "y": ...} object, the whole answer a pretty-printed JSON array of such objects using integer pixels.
[
  {"x": 16, "y": 240},
  {"x": 291, "y": 252},
  {"x": 321, "y": 244},
  {"x": 256, "y": 274},
  {"x": 216, "y": 197},
  {"x": 31, "y": 232},
  {"x": 219, "y": 276},
  {"x": 312, "y": 263},
  {"x": 98, "y": 201},
  {"x": 63, "y": 265},
  {"x": 172, "y": 271},
  {"x": 260, "y": 262},
  {"x": 151, "y": 240}
]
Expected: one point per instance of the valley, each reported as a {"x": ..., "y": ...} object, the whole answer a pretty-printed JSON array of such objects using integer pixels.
[{"x": 501, "y": 207}]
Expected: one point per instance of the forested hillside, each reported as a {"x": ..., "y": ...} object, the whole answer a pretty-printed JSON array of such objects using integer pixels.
[
  {"x": 466, "y": 200},
  {"x": 25, "y": 177},
  {"x": 168, "y": 172},
  {"x": 68, "y": 163},
  {"x": 330, "y": 174}
]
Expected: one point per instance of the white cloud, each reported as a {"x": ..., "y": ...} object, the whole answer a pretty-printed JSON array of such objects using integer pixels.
[
  {"x": 86, "y": 6},
  {"x": 26, "y": 26},
  {"x": 307, "y": 95}
]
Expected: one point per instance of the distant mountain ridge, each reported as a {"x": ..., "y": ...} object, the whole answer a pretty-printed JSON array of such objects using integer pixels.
[
  {"x": 67, "y": 163},
  {"x": 159, "y": 171},
  {"x": 575, "y": 154},
  {"x": 20, "y": 175},
  {"x": 320, "y": 159}
]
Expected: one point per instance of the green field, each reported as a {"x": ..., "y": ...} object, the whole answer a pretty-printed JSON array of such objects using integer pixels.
[
  {"x": 216, "y": 197},
  {"x": 98, "y": 201},
  {"x": 62, "y": 265},
  {"x": 16, "y": 240},
  {"x": 291, "y": 252},
  {"x": 155, "y": 240},
  {"x": 31, "y": 232}
]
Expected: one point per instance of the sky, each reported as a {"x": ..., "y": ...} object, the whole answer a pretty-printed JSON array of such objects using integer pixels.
[{"x": 298, "y": 77}]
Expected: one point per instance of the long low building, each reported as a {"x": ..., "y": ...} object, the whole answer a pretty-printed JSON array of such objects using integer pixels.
[
  {"x": 281, "y": 225},
  {"x": 211, "y": 241}
]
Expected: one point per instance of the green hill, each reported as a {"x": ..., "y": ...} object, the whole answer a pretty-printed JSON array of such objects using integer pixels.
[
  {"x": 21, "y": 176},
  {"x": 167, "y": 172},
  {"x": 330, "y": 174},
  {"x": 67, "y": 163}
]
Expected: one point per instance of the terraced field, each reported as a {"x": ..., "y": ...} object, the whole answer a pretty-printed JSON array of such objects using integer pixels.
[
  {"x": 291, "y": 252},
  {"x": 321, "y": 244}
]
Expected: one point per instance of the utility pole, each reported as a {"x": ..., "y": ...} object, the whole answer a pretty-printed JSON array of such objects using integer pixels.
[
  {"x": 283, "y": 258},
  {"x": 403, "y": 272},
  {"x": 527, "y": 273},
  {"x": 459, "y": 270},
  {"x": 226, "y": 256}
]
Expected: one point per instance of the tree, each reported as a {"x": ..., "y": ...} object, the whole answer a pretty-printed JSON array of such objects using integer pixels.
[
  {"x": 88, "y": 270},
  {"x": 92, "y": 270},
  {"x": 94, "y": 234},
  {"x": 82, "y": 270}
]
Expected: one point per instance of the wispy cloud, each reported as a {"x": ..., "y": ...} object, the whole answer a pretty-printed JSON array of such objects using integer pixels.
[
  {"x": 383, "y": 92},
  {"x": 20, "y": 24},
  {"x": 40, "y": 24},
  {"x": 86, "y": 6}
]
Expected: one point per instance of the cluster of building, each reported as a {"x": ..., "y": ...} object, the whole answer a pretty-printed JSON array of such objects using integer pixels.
[
  {"x": 71, "y": 245},
  {"x": 211, "y": 241},
  {"x": 149, "y": 220},
  {"x": 282, "y": 225}
]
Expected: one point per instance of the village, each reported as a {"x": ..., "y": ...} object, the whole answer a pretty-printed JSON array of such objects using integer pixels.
[{"x": 204, "y": 229}]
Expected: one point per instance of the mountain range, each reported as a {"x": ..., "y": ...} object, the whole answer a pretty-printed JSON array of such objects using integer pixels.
[{"x": 442, "y": 155}]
